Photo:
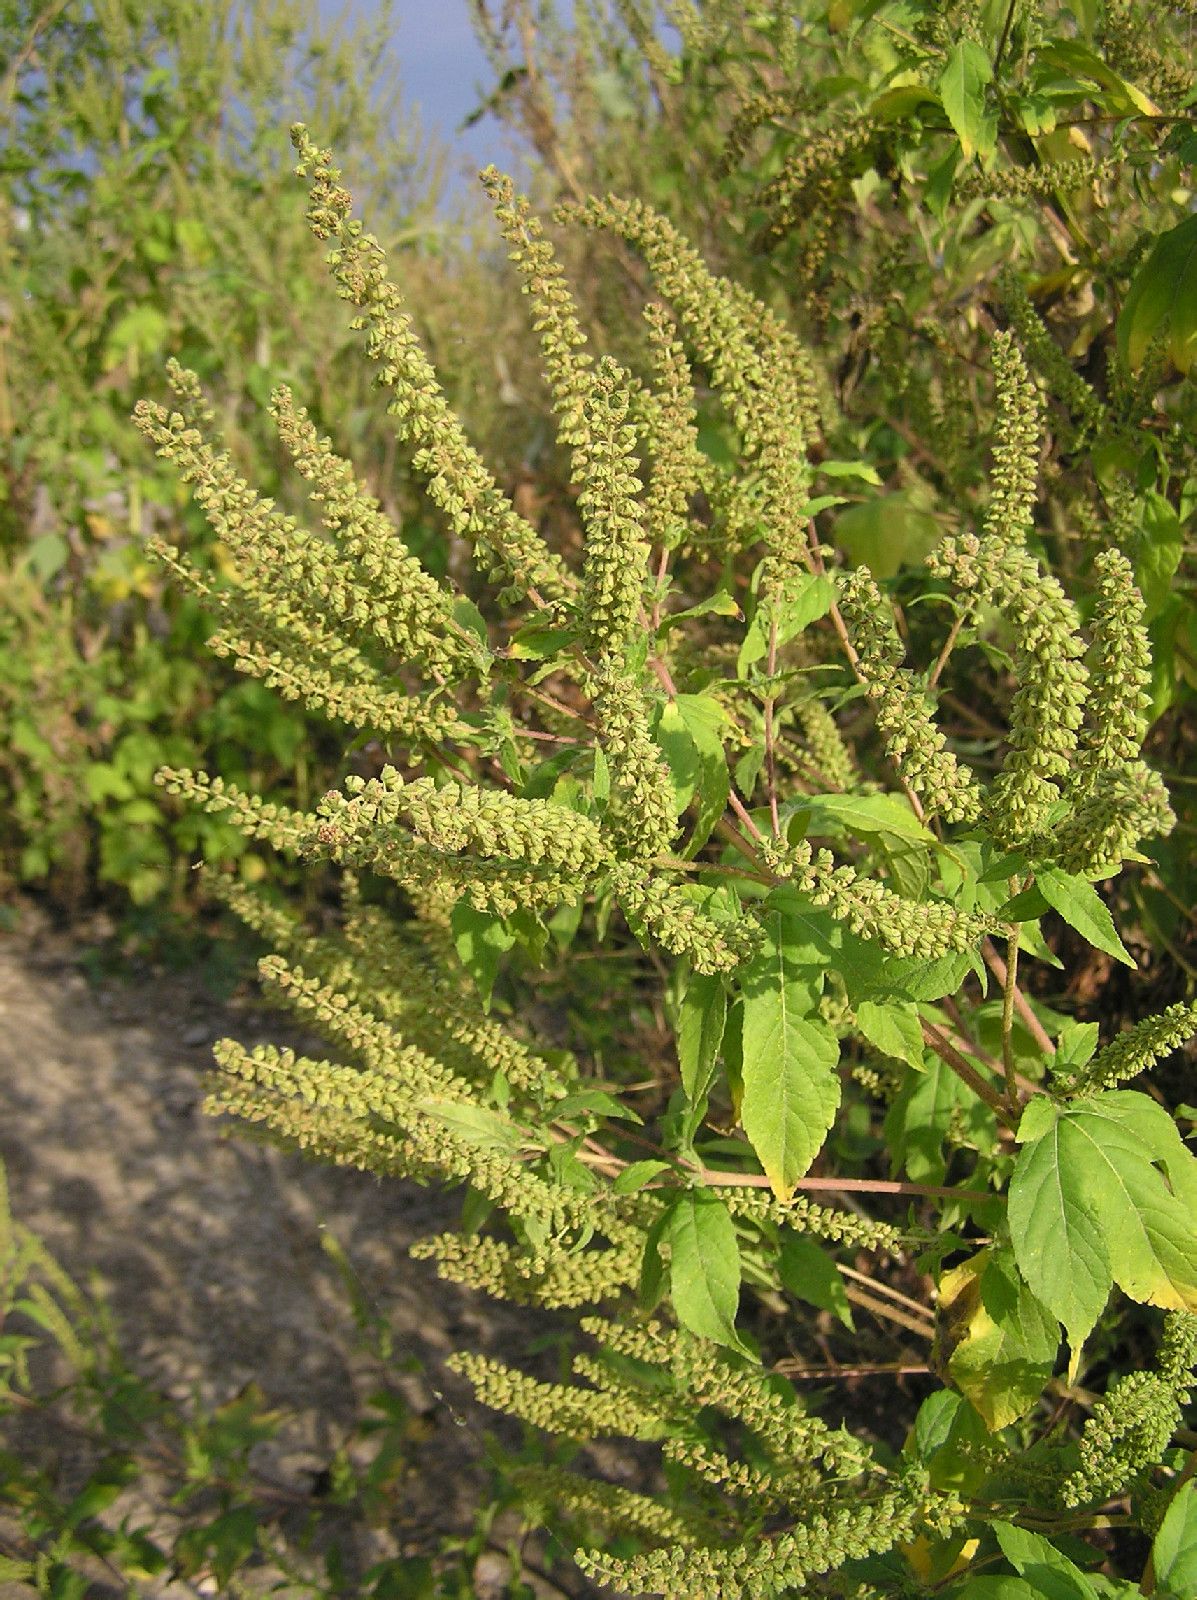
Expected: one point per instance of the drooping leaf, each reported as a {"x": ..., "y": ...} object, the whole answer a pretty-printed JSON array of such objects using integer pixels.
[
  {"x": 893, "y": 1027},
  {"x": 1163, "y": 298},
  {"x": 702, "y": 1018},
  {"x": 481, "y": 941},
  {"x": 704, "y": 1266},
  {"x": 997, "y": 1342},
  {"x": 690, "y": 733},
  {"x": 962, "y": 85},
  {"x": 808, "y": 1272}
]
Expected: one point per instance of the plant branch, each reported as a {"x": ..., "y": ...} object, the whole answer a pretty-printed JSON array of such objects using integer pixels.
[{"x": 964, "y": 1069}]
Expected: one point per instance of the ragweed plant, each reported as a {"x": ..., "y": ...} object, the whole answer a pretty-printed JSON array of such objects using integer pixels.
[{"x": 671, "y": 734}]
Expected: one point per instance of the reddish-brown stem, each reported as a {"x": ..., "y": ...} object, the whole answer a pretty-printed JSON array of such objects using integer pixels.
[
  {"x": 757, "y": 1180},
  {"x": 741, "y": 811},
  {"x": 964, "y": 1069},
  {"x": 869, "y": 1369}
]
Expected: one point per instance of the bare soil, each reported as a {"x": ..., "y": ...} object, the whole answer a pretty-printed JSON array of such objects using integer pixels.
[{"x": 208, "y": 1247}]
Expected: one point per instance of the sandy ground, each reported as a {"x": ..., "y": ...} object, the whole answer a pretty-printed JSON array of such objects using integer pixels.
[{"x": 209, "y": 1247}]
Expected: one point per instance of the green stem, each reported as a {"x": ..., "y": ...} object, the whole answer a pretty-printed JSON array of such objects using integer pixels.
[{"x": 1009, "y": 990}]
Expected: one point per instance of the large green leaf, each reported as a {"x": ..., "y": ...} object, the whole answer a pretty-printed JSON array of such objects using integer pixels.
[
  {"x": 1174, "y": 1552},
  {"x": 962, "y": 86},
  {"x": 1163, "y": 299},
  {"x": 998, "y": 1342},
  {"x": 791, "y": 1085},
  {"x": 704, "y": 1266},
  {"x": 1079, "y": 903},
  {"x": 1048, "y": 1570},
  {"x": 1089, "y": 1208}
]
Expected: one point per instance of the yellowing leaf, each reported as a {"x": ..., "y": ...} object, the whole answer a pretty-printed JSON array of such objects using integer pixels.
[{"x": 997, "y": 1342}]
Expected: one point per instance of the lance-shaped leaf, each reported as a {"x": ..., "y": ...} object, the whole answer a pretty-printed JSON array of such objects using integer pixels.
[
  {"x": 791, "y": 1086},
  {"x": 962, "y": 87},
  {"x": 1079, "y": 903},
  {"x": 1089, "y": 1208},
  {"x": 704, "y": 1266},
  {"x": 702, "y": 1018}
]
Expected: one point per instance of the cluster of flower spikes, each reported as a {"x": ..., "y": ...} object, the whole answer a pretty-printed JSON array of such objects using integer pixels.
[
  {"x": 1072, "y": 788},
  {"x": 1130, "y": 1427},
  {"x": 295, "y": 617},
  {"x": 821, "y": 1489},
  {"x": 418, "y": 1097}
]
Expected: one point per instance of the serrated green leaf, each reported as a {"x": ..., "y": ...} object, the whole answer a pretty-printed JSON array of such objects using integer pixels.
[
  {"x": 1047, "y": 1569},
  {"x": 1174, "y": 1553},
  {"x": 637, "y": 1174},
  {"x": 791, "y": 1086},
  {"x": 1079, "y": 903},
  {"x": 1089, "y": 1208},
  {"x": 476, "y": 1125},
  {"x": 1162, "y": 298},
  {"x": 962, "y": 86},
  {"x": 893, "y": 1027},
  {"x": 704, "y": 1267}
]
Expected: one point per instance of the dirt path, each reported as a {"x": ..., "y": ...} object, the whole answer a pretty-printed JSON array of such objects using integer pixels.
[{"x": 209, "y": 1247}]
